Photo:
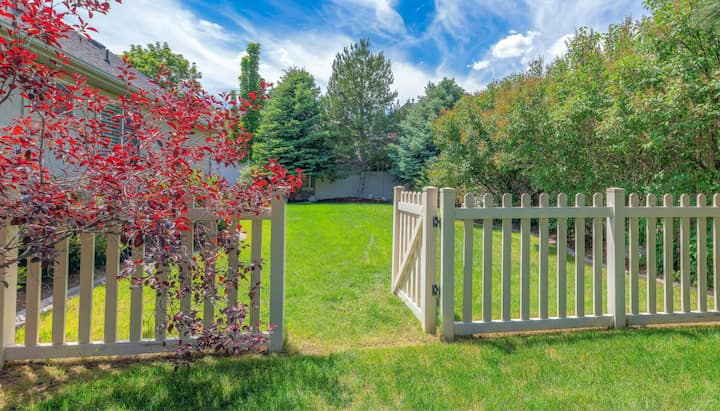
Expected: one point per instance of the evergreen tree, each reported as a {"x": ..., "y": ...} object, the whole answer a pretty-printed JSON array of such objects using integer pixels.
[
  {"x": 358, "y": 103},
  {"x": 251, "y": 85},
  {"x": 290, "y": 130},
  {"x": 415, "y": 146}
]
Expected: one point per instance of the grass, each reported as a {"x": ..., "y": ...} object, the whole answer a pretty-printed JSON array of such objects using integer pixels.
[{"x": 354, "y": 345}]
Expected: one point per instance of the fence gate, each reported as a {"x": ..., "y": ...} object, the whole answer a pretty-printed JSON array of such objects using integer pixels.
[{"x": 414, "y": 252}]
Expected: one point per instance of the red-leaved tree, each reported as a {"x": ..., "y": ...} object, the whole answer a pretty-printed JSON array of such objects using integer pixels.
[{"x": 140, "y": 189}]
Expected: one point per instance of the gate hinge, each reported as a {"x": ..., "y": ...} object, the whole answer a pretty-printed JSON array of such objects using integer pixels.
[
  {"x": 435, "y": 289},
  {"x": 436, "y": 221}
]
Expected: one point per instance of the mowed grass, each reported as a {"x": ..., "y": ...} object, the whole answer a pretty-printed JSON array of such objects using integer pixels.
[{"x": 352, "y": 344}]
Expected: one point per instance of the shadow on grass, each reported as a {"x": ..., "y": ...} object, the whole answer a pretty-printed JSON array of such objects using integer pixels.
[
  {"x": 257, "y": 382},
  {"x": 511, "y": 344},
  {"x": 313, "y": 381}
]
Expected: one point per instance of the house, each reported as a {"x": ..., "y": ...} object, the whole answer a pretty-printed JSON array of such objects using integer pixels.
[
  {"x": 102, "y": 69},
  {"x": 89, "y": 59}
]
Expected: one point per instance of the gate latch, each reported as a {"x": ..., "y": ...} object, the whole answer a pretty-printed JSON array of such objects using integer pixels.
[
  {"x": 435, "y": 289},
  {"x": 436, "y": 221}
]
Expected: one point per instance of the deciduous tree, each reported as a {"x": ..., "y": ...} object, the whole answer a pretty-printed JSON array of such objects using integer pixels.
[
  {"x": 159, "y": 60},
  {"x": 140, "y": 190}
]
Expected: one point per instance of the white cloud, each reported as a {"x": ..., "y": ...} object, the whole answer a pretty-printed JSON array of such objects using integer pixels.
[
  {"x": 481, "y": 64},
  {"x": 410, "y": 80},
  {"x": 215, "y": 49},
  {"x": 514, "y": 45},
  {"x": 383, "y": 18},
  {"x": 559, "y": 48}
]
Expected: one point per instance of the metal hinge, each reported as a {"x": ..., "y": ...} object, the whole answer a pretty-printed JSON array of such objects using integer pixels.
[
  {"x": 435, "y": 289},
  {"x": 436, "y": 221}
]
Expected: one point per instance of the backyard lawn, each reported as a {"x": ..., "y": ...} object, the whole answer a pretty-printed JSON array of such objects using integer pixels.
[{"x": 352, "y": 344}]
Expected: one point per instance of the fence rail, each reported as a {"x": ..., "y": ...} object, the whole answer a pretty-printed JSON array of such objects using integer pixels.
[{"x": 32, "y": 348}]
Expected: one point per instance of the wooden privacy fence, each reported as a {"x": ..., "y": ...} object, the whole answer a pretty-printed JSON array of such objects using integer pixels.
[
  {"x": 413, "y": 254},
  {"x": 519, "y": 298},
  {"x": 32, "y": 348}
]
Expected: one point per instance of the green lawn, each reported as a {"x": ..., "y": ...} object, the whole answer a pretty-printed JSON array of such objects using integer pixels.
[{"x": 354, "y": 345}]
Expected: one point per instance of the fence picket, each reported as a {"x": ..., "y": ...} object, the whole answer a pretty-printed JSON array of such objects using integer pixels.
[
  {"x": 397, "y": 194},
  {"x": 685, "y": 257},
  {"x": 634, "y": 255},
  {"x": 469, "y": 202},
  {"x": 562, "y": 259},
  {"x": 188, "y": 243},
  {"x": 87, "y": 278},
  {"x": 60, "y": 286},
  {"x": 8, "y": 292},
  {"x": 429, "y": 241},
  {"x": 668, "y": 256},
  {"x": 487, "y": 261},
  {"x": 506, "y": 260},
  {"x": 650, "y": 252},
  {"x": 579, "y": 259},
  {"x": 543, "y": 251},
  {"x": 209, "y": 300},
  {"x": 525, "y": 260},
  {"x": 255, "y": 275},
  {"x": 136, "y": 294},
  {"x": 447, "y": 262},
  {"x": 702, "y": 256},
  {"x": 716, "y": 256},
  {"x": 233, "y": 262},
  {"x": 597, "y": 240},
  {"x": 32, "y": 302},
  {"x": 112, "y": 269},
  {"x": 277, "y": 273}
]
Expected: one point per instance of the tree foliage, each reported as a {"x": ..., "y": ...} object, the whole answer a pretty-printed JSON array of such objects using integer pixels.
[
  {"x": 290, "y": 127},
  {"x": 159, "y": 61},
  {"x": 635, "y": 107},
  {"x": 251, "y": 87},
  {"x": 415, "y": 146},
  {"x": 358, "y": 102},
  {"x": 139, "y": 188}
]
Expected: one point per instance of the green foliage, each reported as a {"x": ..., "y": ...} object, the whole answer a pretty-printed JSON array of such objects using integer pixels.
[
  {"x": 415, "y": 146},
  {"x": 150, "y": 60},
  {"x": 290, "y": 128},
  {"x": 636, "y": 107},
  {"x": 358, "y": 105},
  {"x": 251, "y": 85}
]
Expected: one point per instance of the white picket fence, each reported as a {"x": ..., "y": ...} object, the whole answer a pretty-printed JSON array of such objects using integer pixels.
[
  {"x": 32, "y": 348},
  {"x": 614, "y": 221}
]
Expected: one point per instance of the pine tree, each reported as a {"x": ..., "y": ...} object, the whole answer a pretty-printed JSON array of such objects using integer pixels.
[
  {"x": 358, "y": 102},
  {"x": 251, "y": 85},
  {"x": 415, "y": 146},
  {"x": 290, "y": 129}
]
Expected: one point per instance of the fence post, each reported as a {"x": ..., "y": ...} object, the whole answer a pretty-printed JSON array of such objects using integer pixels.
[
  {"x": 447, "y": 263},
  {"x": 616, "y": 256},
  {"x": 396, "y": 234},
  {"x": 277, "y": 273},
  {"x": 429, "y": 252},
  {"x": 8, "y": 295}
]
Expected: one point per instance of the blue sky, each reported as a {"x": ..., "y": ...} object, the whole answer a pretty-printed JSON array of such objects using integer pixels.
[{"x": 474, "y": 41}]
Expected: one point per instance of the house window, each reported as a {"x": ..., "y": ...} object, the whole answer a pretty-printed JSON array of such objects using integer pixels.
[
  {"x": 308, "y": 182},
  {"x": 114, "y": 127}
]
